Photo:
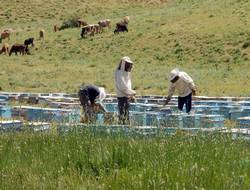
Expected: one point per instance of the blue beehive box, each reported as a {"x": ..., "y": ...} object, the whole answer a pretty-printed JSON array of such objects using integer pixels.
[
  {"x": 111, "y": 107},
  {"x": 246, "y": 110},
  {"x": 60, "y": 115},
  {"x": 146, "y": 130},
  {"x": 34, "y": 114},
  {"x": 189, "y": 120},
  {"x": 210, "y": 121},
  {"x": 5, "y": 111},
  {"x": 10, "y": 125},
  {"x": 137, "y": 119},
  {"x": 152, "y": 118},
  {"x": 136, "y": 107},
  {"x": 225, "y": 111},
  {"x": 39, "y": 126},
  {"x": 172, "y": 120},
  {"x": 234, "y": 115},
  {"x": 4, "y": 97},
  {"x": 245, "y": 103},
  {"x": 243, "y": 122},
  {"x": 170, "y": 130}
]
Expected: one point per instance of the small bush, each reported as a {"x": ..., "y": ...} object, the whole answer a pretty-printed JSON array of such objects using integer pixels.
[
  {"x": 70, "y": 23},
  {"x": 246, "y": 45}
]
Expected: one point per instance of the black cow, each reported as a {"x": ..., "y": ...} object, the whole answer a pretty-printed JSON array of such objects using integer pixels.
[
  {"x": 121, "y": 27},
  {"x": 21, "y": 48},
  {"x": 29, "y": 41}
]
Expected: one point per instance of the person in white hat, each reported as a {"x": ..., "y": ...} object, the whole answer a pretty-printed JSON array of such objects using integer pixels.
[
  {"x": 91, "y": 98},
  {"x": 185, "y": 87},
  {"x": 123, "y": 86}
]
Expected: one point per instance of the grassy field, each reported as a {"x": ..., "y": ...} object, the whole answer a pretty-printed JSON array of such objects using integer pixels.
[
  {"x": 87, "y": 161},
  {"x": 209, "y": 39}
]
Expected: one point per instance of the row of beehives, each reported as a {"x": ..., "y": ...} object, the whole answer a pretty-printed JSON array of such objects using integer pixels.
[
  {"x": 141, "y": 115},
  {"x": 63, "y": 129},
  {"x": 137, "y": 110},
  {"x": 228, "y": 107},
  {"x": 64, "y": 97}
]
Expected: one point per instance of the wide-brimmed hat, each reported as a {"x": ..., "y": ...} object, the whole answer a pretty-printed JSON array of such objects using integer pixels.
[
  {"x": 127, "y": 59},
  {"x": 174, "y": 73}
]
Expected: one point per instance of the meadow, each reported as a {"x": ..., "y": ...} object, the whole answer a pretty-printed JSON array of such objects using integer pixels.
[
  {"x": 209, "y": 39},
  {"x": 84, "y": 160}
]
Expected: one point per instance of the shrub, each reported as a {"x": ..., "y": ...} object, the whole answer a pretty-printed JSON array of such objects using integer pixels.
[
  {"x": 246, "y": 45},
  {"x": 70, "y": 23}
]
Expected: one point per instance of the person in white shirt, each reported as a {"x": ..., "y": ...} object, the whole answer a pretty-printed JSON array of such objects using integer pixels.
[
  {"x": 123, "y": 86},
  {"x": 185, "y": 87}
]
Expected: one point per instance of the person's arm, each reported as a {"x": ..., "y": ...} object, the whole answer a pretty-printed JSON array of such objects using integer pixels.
[
  {"x": 170, "y": 93},
  {"x": 192, "y": 87}
]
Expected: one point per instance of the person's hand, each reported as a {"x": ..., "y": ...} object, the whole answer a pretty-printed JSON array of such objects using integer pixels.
[
  {"x": 132, "y": 98},
  {"x": 194, "y": 92},
  {"x": 167, "y": 101}
]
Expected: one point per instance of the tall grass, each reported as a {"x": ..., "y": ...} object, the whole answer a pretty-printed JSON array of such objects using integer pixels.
[{"x": 93, "y": 161}]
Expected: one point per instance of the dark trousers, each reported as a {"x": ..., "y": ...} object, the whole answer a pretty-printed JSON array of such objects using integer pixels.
[
  {"x": 85, "y": 102},
  {"x": 123, "y": 108},
  {"x": 187, "y": 100}
]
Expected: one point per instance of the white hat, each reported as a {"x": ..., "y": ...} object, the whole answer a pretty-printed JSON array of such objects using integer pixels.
[
  {"x": 174, "y": 73},
  {"x": 102, "y": 94},
  {"x": 127, "y": 59}
]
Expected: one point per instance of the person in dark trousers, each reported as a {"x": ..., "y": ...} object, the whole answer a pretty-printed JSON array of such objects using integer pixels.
[
  {"x": 185, "y": 87},
  {"x": 91, "y": 97},
  {"x": 123, "y": 86}
]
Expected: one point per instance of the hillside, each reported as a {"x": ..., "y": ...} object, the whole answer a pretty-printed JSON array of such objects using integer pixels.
[{"x": 210, "y": 39}]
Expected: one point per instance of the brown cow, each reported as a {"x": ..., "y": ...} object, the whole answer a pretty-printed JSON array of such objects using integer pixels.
[
  {"x": 122, "y": 26},
  {"x": 41, "y": 34},
  {"x": 126, "y": 19},
  {"x": 89, "y": 29},
  {"x": 5, "y": 49},
  {"x": 21, "y": 48},
  {"x": 81, "y": 22},
  {"x": 97, "y": 28},
  {"x": 105, "y": 23},
  {"x": 5, "y": 34}
]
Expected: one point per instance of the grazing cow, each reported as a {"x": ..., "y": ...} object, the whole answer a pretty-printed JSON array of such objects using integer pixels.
[
  {"x": 29, "y": 41},
  {"x": 21, "y": 48},
  {"x": 126, "y": 19},
  {"x": 89, "y": 29},
  {"x": 41, "y": 34},
  {"x": 5, "y": 34},
  {"x": 81, "y": 22},
  {"x": 97, "y": 28},
  {"x": 120, "y": 27},
  {"x": 104, "y": 23},
  {"x": 5, "y": 49}
]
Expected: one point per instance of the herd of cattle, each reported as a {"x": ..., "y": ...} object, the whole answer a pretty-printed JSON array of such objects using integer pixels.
[
  {"x": 92, "y": 29},
  {"x": 22, "y": 49},
  {"x": 87, "y": 29}
]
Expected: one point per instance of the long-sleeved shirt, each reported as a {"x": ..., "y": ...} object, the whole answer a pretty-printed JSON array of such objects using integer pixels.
[
  {"x": 123, "y": 83},
  {"x": 183, "y": 86}
]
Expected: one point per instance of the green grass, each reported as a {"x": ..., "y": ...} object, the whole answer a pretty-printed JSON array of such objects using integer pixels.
[
  {"x": 87, "y": 161},
  {"x": 207, "y": 39}
]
